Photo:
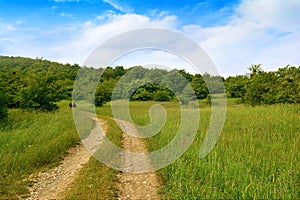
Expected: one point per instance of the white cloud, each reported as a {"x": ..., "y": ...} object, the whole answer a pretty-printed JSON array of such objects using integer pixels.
[
  {"x": 259, "y": 32},
  {"x": 7, "y": 39},
  {"x": 5, "y": 28},
  {"x": 117, "y": 6},
  {"x": 161, "y": 59},
  {"x": 282, "y": 15},
  {"x": 90, "y": 35},
  {"x": 63, "y": 14}
]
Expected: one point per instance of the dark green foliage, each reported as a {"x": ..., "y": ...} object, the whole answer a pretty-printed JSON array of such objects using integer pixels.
[
  {"x": 236, "y": 86},
  {"x": 152, "y": 91},
  {"x": 85, "y": 84},
  {"x": 39, "y": 93},
  {"x": 288, "y": 79},
  {"x": 38, "y": 84},
  {"x": 107, "y": 83},
  {"x": 141, "y": 94},
  {"x": 119, "y": 71},
  {"x": 199, "y": 86},
  {"x": 175, "y": 81},
  {"x": 162, "y": 95},
  {"x": 255, "y": 69},
  {"x": 3, "y": 106},
  {"x": 104, "y": 91},
  {"x": 260, "y": 87},
  {"x": 142, "y": 84},
  {"x": 215, "y": 84},
  {"x": 186, "y": 75},
  {"x": 35, "y": 84}
]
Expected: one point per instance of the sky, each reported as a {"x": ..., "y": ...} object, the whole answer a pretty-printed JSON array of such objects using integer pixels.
[{"x": 234, "y": 33}]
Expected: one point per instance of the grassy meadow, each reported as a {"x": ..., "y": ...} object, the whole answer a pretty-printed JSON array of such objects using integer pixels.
[
  {"x": 34, "y": 141},
  {"x": 256, "y": 157},
  {"x": 30, "y": 142}
]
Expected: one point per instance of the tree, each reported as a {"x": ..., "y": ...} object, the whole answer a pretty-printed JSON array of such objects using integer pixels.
[
  {"x": 152, "y": 91},
  {"x": 281, "y": 86},
  {"x": 215, "y": 84},
  {"x": 199, "y": 87},
  {"x": 288, "y": 85},
  {"x": 104, "y": 92},
  {"x": 119, "y": 71},
  {"x": 187, "y": 95},
  {"x": 156, "y": 75},
  {"x": 255, "y": 69},
  {"x": 40, "y": 93},
  {"x": 3, "y": 106},
  {"x": 21, "y": 78},
  {"x": 175, "y": 81},
  {"x": 161, "y": 95},
  {"x": 141, "y": 94},
  {"x": 236, "y": 86},
  {"x": 261, "y": 90},
  {"x": 186, "y": 75}
]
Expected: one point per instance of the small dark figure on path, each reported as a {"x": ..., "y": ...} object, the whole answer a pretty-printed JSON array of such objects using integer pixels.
[{"x": 72, "y": 105}]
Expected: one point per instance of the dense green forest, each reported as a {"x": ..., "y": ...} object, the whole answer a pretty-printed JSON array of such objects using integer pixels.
[
  {"x": 37, "y": 84},
  {"x": 260, "y": 87}
]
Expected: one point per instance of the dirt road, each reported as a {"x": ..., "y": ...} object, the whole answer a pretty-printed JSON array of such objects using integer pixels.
[
  {"x": 53, "y": 183},
  {"x": 135, "y": 185}
]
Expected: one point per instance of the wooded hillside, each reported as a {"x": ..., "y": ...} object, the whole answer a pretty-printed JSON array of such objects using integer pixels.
[{"x": 37, "y": 84}]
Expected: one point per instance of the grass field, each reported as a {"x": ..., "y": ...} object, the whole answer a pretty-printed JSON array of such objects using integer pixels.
[
  {"x": 256, "y": 157},
  {"x": 30, "y": 142}
]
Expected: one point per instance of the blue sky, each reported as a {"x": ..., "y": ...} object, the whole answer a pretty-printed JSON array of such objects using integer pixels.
[{"x": 234, "y": 33}]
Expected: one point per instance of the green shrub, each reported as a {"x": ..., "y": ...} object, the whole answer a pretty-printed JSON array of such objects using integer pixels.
[
  {"x": 162, "y": 95},
  {"x": 3, "y": 106}
]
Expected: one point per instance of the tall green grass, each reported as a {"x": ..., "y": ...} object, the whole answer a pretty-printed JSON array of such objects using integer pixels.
[
  {"x": 256, "y": 157},
  {"x": 30, "y": 142}
]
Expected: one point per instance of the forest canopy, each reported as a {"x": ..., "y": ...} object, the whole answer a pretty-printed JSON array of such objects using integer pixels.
[{"x": 37, "y": 84}]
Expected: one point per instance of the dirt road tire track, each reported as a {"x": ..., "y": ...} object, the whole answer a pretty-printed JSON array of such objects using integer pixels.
[
  {"x": 135, "y": 185},
  {"x": 53, "y": 183}
]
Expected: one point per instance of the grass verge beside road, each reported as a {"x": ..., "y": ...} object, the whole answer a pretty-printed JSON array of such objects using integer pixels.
[{"x": 31, "y": 142}]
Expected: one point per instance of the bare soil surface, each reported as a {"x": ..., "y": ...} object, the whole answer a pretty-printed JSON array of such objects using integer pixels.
[
  {"x": 53, "y": 183},
  {"x": 135, "y": 185}
]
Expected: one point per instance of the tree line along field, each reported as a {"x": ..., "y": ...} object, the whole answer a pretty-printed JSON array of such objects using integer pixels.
[
  {"x": 257, "y": 155},
  {"x": 37, "y": 84}
]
